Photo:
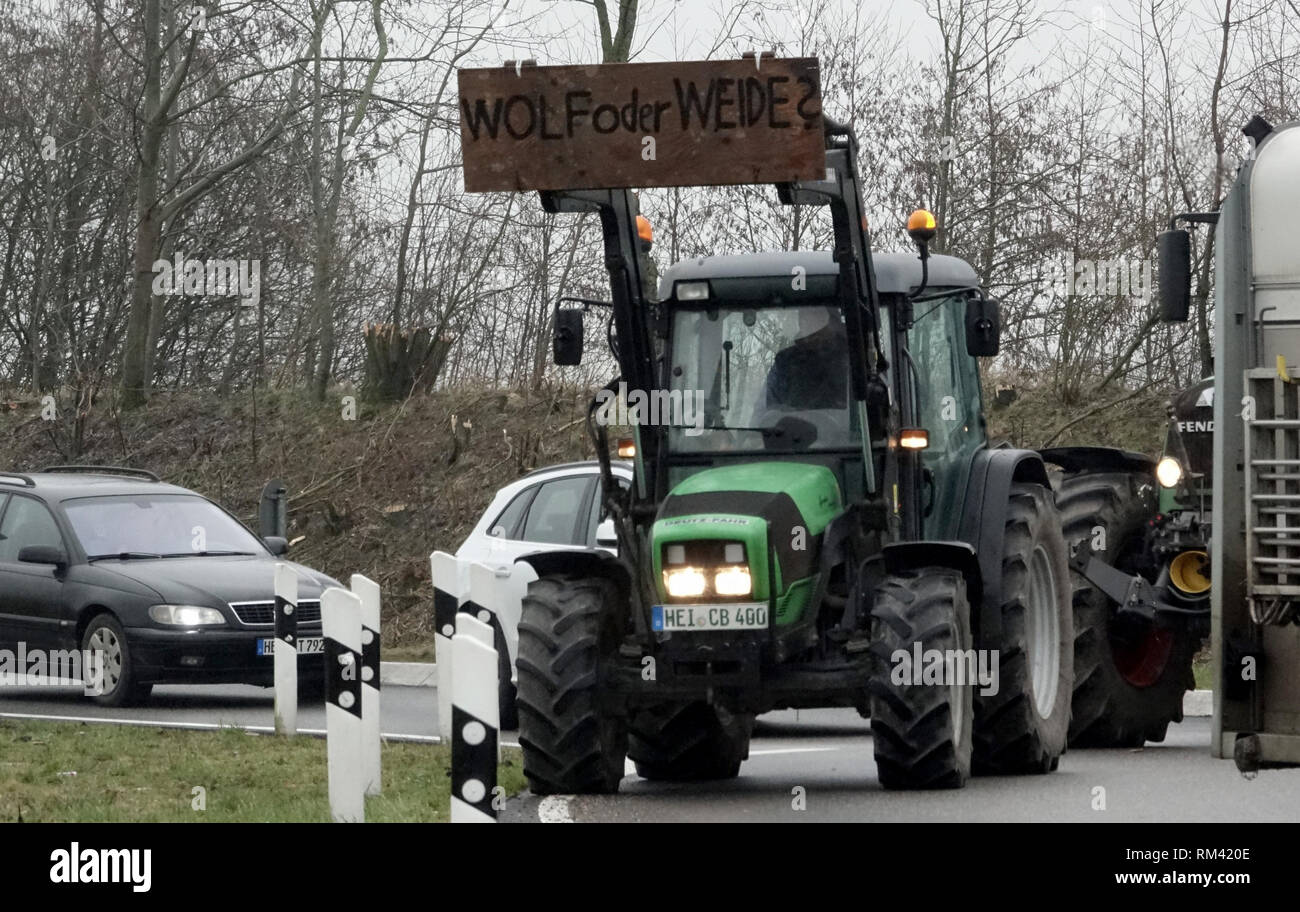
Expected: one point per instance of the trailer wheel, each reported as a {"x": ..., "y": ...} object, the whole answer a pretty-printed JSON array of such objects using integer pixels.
[
  {"x": 1129, "y": 675},
  {"x": 1021, "y": 727},
  {"x": 571, "y": 745},
  {"x": 689, "y": 742},
  {"x": 921, "y": 731}
]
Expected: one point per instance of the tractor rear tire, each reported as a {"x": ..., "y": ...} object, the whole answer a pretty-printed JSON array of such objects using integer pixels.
[
  {"x": 687, "y": 742},
  {"x": 921, "y": 732},
  {"x": 1129, "y": 676},
  {"x": 571, "y": 744},
  {"x": 1022, "y": 726}
]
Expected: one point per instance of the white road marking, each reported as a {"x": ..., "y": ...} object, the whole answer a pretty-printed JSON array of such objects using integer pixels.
[
  {"x": 791, "y": 750},
  {"x": 554, "y": 809},
  {"x": 216, "y": 726}
]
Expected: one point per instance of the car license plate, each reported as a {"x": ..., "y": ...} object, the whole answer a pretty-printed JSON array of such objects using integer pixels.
[
  {"x": 306, "y": 646},
  {"x": 732, "y": 616}
]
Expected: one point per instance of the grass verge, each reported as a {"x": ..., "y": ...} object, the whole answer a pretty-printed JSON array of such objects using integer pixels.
[
  {"x": 420, "y": 651},
  {"x": 56, "y": 772}
]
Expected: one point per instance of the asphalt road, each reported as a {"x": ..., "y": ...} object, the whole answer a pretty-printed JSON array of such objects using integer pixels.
[
  {"x": 821, "y": 760},
  {"x": 406, "y": 713},
  {"x": 817, "y": 760}
]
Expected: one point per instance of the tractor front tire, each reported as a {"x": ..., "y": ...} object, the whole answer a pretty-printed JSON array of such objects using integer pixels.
[
  {"x": 571, "y": 744},
  {"x": 1129, "y": 675},
  {"x": 920, "y": 730},
  {"x": 1022, "y": 725},
  {"x": 687, "y": 742}
]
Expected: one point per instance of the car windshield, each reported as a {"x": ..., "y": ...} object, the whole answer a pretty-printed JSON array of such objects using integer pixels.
[
  {"x": 762, "y": 377},
  {"x": 156, "y": 525}
]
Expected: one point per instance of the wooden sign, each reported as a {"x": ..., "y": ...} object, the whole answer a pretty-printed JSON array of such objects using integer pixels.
[{"x": 642, "y": 124}]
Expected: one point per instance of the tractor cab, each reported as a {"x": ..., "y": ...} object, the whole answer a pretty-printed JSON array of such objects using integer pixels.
[{"x": 760, "y": 345}]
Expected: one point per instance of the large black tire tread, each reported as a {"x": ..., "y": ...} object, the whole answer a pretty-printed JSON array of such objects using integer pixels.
[
  {"x": 1011, "y": 735},
  {"x": 688, "y": 742},
  {"x": 918, "y": 739},
  {"x": 1109, "y": 711},
  {"x": 571, "y": 746}
]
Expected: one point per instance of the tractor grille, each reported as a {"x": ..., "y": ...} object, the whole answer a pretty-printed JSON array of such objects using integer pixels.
[{"x": 262, "y": 614}]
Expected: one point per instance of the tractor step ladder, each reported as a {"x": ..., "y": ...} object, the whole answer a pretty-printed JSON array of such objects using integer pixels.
[{"x": 1272, "y": 457}]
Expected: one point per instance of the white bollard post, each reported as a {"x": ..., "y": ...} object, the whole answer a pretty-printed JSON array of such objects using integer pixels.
[
  {"x": 482, "y": 632},
  {"x": 482, "y": 581},
  {"x": 341, "y": 617},
  {"x": 475, "y": 724},
  {"x": 371, "y": 760},
  {"x": 444, "y": 570},
  {"x": 286, "y": 650},
  {"x": 485, "y": 585}
]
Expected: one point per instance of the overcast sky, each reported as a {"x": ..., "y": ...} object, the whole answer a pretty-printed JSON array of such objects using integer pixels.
[{"x": 686, "y": 29}]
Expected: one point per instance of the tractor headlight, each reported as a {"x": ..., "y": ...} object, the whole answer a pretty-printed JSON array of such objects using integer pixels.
[
  {"x": 684, "y": 582},
  {"x": 732, "y": 581},
  {"x": 1169, "y": 472}
]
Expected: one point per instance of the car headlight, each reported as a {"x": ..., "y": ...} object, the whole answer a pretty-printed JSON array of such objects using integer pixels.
[
  {"x": 684, "y": 582},
  {"x": 186, "y": 615},
  {"x": 1169, "y": 472},
  {"x": 732, "y": 581}
]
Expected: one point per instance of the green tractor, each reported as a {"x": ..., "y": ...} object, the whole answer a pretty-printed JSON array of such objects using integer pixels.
[{"x": 827, "y": 526}]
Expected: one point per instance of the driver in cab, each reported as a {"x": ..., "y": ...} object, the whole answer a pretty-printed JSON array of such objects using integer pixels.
[{"x": 812, "y": 372}]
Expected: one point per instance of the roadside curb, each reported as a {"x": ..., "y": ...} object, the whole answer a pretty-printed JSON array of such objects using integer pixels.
[
  {"x": 409, "y": 674},
  {"x": 1198, "y": 703}
]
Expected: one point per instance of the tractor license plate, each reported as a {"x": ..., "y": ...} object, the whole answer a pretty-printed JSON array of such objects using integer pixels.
[
  {"x": 732, "y": 616},
  {"x": 306, "y": 646}
]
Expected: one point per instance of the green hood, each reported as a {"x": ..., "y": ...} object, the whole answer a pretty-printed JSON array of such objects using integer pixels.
[{"x": 737, "y": 504}]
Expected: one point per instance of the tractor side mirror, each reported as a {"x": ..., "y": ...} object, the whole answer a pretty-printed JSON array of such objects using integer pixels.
[
  {"x": 1174, "y": 250},
  {"x": 983, "y": 327},
  {"x": 566, "y": 342}
]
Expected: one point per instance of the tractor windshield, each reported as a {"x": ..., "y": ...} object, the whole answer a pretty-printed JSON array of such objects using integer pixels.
[{"x": 762, "y": 378}]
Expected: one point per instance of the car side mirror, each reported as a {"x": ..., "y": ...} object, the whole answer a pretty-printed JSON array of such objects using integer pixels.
[
  {"x": 566, "y": 342},
  {"x": 276, "y": 544},
  {"x": 606, "y": 537},
  {"x": 983, "y": 327},
  {"x": 1174, "y": 252},
  {"x": 43, "y": 554}
]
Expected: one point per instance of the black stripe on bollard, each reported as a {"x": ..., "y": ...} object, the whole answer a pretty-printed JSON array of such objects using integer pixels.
[
  {"x": 286, "y": 621},
  {"x": 444, "y": 611},
  {"x": 342, "y": 677},
  {"x": 473, "y": 760},
  {"x": 370, "y": 656}
]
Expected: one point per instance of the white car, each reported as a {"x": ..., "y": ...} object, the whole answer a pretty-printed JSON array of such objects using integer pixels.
[{"x": 549, "y": 509}]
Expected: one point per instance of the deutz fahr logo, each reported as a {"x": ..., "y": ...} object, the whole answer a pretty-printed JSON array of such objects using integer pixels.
[{"x": 731, "y": 520}]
